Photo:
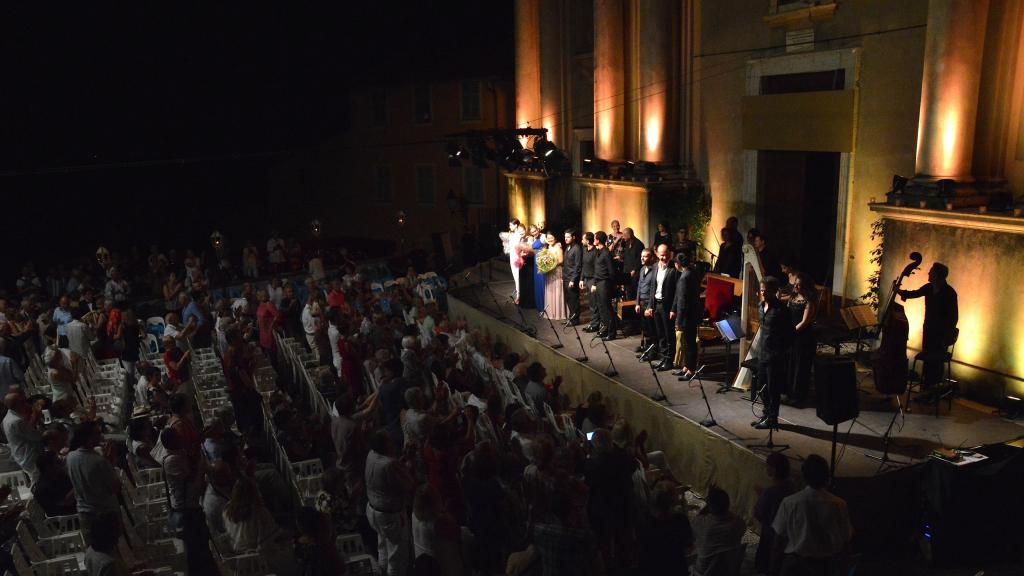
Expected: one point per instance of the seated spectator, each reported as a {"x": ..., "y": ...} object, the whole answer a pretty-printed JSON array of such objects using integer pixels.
[
  {"x": 315, "y": 551},
  {"x": 666, "y": 536},
  {"x": 102, "y": 557},
  {"x": 717, "y": 531},
  {"x": 21, "y": 428},
  {"x": 247, "y": 522},
  {"x": 335, "y": 501},
  {"x": 54, "y": 491},
  {"x": 435, "y": 533},
  {"x": 142, "y": 438},
  {"x": 221, "y": 482},
  {"x": 768, "y": 501},
  {"x": 812, "y": 527}
]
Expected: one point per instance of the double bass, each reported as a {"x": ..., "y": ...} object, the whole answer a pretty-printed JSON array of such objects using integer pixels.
[{"x": 889, "y": 362}]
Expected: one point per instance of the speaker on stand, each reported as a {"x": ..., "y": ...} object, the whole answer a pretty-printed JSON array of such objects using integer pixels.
[{"x": 835, "y": 384}]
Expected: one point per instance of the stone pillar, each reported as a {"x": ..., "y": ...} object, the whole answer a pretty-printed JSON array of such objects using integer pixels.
[
  {"x": 954, "y": 43},
  {"x": 528, "y": 106},
  {"x": 609, "y": 80},
  {"x": 656, "y": 93},
  {"x": 551, "y": 72},
  {"x": 999, "y": 70}
]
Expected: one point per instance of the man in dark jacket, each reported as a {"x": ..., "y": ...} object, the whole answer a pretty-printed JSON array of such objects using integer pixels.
[
  {"x": 688, "y": 308},
  {"x": 661, "y": 284},
  {"x": 630, "y": 248},
  {"x": 572, "y": 275},
  {"x": 604, "y": 277},
  {"x": 777, "y": 332},
  {"x": 643, "y": 296},
  {"x": 589, "y": 257}
]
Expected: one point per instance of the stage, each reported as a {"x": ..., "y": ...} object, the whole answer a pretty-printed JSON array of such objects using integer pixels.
[{"x": 720, "y": 455}]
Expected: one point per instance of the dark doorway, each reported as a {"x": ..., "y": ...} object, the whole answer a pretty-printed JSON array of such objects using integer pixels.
[{"x": 797, "y": 198}]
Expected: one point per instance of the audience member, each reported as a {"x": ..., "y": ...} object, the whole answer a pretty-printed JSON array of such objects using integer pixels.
[{"x": 717, "y": 532}]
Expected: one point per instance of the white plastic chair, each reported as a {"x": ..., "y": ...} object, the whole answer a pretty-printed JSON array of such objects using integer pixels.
[{"x": 152, "y": 344}]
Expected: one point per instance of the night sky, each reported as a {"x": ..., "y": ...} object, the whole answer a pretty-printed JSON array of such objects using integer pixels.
[{"x": 145, "y": 123}]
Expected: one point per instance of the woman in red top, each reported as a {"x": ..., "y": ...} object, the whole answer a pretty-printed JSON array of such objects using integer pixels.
[
  {"x": 267, "y": 319},
  {"x": 177, "y": 362},
  {"x": 351, "y": 361}
]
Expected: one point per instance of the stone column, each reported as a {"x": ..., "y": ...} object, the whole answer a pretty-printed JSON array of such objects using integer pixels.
[
  {"x": 999, "y": 71},
  {"x": 954, "y": 43},
  {"x": 656, "y": 92},
  {"x": 528, "y": 107},
  {"x": 551, "y": 72},
  {"x": 609, "y": 80}
]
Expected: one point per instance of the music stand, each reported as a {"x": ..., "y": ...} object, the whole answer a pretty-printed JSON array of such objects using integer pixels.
[
  {"x": 710, "y": 420},
  {"x": 660, "y": 396},
  {"x": 731, "y": 330},
  {"x": 611, "y": 363},
  {"x": 552, "y": 325}
]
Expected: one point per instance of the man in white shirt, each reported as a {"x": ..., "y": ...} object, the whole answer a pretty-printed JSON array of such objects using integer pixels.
[
  {"x": 79, "y": 337},
  {"x": 175, "y": 329},
  {"x": 117, "y": 289},
  {"x": 388, "y": 488},
  {"x": 812, "y": 527},
  {"x": 21, "y": 427},
  {"x": 218, "y": 492},
  {"x": 311, "y": 320},
  {"x": 275, "y": 291},
  {"x": 93, "y": 478}
]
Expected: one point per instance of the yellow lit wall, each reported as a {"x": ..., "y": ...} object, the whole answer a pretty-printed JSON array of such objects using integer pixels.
[
  {"x": 601, "y": 203},
  {"x": 989, "y": 355},
  {"x": 526, "y": 199}
]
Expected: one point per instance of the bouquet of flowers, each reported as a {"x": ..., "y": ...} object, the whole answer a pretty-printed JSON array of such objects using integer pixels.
[
  {"x": 546, "y": 261},
  {"x": 522, "y": 251}
]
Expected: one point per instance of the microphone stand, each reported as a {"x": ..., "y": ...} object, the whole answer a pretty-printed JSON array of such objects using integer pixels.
[
  {"x": 501, "y": 314},
  {"x": 611, "y": 363},
  {"x": 583, "y": 349},
  {"x": 552, "y": 325},
  {"x": 660, "y": 396},
  {"x": 522, "y": 325},
  {"x": 472, "y": 289},
  {"x": 710, "y": 420}
]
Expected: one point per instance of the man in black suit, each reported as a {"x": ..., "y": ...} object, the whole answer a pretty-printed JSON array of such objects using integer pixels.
[
  {"x": 777, "y": 331},
  {"x": 643, "y": 296},
  {"x": 630, "y": 250},
  {"x": 689, "y": 310},
  {"x": 941, "y": 314},
  {"x": 769, "y": 261},
  {"x": 589, "y": 256},
  {"x": 572, "y": 275},
  {"x": 661, "y": 284},
  {"x": 604, "y": 277}
]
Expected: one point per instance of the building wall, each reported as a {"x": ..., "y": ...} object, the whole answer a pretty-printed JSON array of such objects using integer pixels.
[
  {"x": 337, "y": 182},
  {"x": 888, "y": 86}
]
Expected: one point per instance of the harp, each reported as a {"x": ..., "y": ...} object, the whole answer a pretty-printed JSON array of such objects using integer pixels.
[{"x": 753, "y": 273}]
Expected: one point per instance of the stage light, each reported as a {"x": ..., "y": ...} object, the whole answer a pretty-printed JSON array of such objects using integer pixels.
[
  {"x": 455, "y": 155},
  {"x": 216, "y": 240},
  {"x": 544, "y": 148},
  {"x": 627, "y": 170},
  {"x": 899, "y": 184},
  {"x": 314, "y": 228}
]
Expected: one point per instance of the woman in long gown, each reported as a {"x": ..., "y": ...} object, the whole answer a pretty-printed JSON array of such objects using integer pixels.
[
  {"x": 538, "y": 278},
  {"x": 554, "y": 297}
]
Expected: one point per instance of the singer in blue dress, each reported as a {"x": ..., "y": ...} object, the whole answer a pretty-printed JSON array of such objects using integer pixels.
[{"x": 538, "y": 278}]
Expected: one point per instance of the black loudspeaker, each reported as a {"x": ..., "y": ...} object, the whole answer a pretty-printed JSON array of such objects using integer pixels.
[{"x": 835, "y": 384}]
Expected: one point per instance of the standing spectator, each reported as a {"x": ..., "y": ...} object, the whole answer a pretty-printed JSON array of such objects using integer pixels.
[
  {"x": 717, "y": 531},
  {"x": 290, "y": 313},
  {"x": 250, "y": 261},
  {"x": 666, "y": 537},
  {"x": 28, "y": 283},
  {"x": 768, "y": 502},
  {"x": 178, "y": 363},
  {"x": 240, "y": 375},
  {"x": 59, "y": 373},
  {"x": 131, "y": 336},
  {"x": 565, "y": 546},
  {"x": 182, "y": 421},
  {"x": 94, "y": 480},
  {"x": 812, "y": 527},
  {"x": 61, "y": 318},
  {"x": 102, "y": 557},
  {"x": 171, "y": 288},
  {"x": 336, "y": 297},
  {"x": 194, "y": 313},
  {"x": 183, "y": 477},
  {"x": 218, "y": 492},
  {"x": 117, "y": 289},
  {"x": 21, "y": 427},
  {"x": 388, "y": 486},
  {"x": 10, "y": 372},
  {"x": 434, "y": 532},
  {"x": 173, "y": 328},
  {"x": 276, "y": 252},
  {"x": 267, "y": 319},
  {"x": 275, "y": 291},
  {"x": 315, "y": 550},
  {"x": 311, "y": 318}
]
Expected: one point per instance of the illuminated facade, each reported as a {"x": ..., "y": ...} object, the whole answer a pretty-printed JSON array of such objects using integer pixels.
[{"x": 794, "y": 116}]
